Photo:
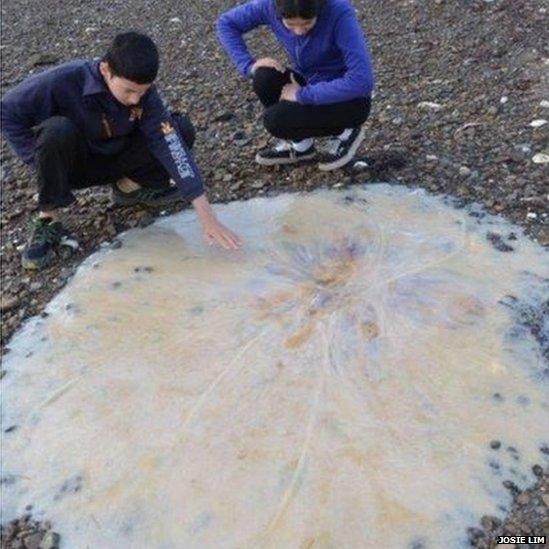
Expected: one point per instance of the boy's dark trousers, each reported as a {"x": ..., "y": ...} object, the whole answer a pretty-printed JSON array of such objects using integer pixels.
[
  {"x": 64, "y": 161},
  {"x": 293, "y": 121}
]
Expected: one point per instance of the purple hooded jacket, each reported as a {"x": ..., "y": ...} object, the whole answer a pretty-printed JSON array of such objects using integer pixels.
[{"x": 333, "y": 56}]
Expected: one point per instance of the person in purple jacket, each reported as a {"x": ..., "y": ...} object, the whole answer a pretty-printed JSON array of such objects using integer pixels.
[
  {"x": 101, "y": 122},
  {"x": 328, "y": 89}
]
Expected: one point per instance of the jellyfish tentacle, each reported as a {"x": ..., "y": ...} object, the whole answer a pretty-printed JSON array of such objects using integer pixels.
[
  {"x": 217, "y": 380},
  {"x": 431, "y": 264},
  {"x": 291, "y": 491},
  {"x": 65, "y": 388}
]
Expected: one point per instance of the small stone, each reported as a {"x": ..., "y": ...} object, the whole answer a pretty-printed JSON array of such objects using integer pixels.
[
  {"x": 39, "y": 59},
  {"x": 227, "y": 177},
  {"x": 33, "y": 541},
  {"x": 540, "y": 158},
  {"x": 35, "y": 286},
  {"x": 532, "y": 215},
  {"x": 537, "y": 470},
  {"x": 224, "y": 117},
  {"x": 538, "y": 123},
  {"x": 504, "y": 99},
  {"x": 258, "y": 184},
  {"x": 511, "y": 486},
  {"x": 143, "y": 270},
  {"x": 431, "y": 157},
  {"x": 495, "y": 444},
  {"x": 464, "y": 171},
  {"x": 50, "y": 541},
  {"x": 524, "y": 147},
  {"x": 90, "y": 30},
  {"x": 360, "y": 166},
  {"x": 428, "y": 105},
  {"x": 544, "y": 104},
  {"x": 498, "y": 243},
  {"x": 523, "y": 499},
  {"x": 146, "y": 220},
  {"x": 489, "y": 523},
  {"x": 65, "y": 273},
  {"x": 241, "y": 139},
  {"x": 116, "y": 244},
  {"x": 175, "y": 20},
  {"x": 9, "y": 303},
  {"x": 545, "y": 498},
  {"x": 218, "y": 175}
]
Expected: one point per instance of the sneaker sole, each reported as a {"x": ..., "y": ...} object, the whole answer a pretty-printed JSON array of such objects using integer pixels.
[
  {"x": 329, "y": 166},
  {"x": 280, "y": 161}
]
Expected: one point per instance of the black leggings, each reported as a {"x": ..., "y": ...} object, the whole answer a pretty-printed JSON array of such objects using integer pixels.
[
  {"x": 64, "y": 161},
  {"x": 294, "y": 121}
]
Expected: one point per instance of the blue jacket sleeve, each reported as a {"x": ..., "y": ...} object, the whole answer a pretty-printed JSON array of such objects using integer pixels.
[
  {"x": 358, "y": 80},
  {"x": 236, "y": 22},
  {"x": 167, "y": 145},
  {"x": 26, "y": 106}
]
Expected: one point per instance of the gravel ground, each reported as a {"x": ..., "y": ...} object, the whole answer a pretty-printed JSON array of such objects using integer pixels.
[{"x": 458, "y": 85}]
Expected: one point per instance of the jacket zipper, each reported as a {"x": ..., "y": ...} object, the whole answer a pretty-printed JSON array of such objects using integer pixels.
[{"x": 296, "y": 52}]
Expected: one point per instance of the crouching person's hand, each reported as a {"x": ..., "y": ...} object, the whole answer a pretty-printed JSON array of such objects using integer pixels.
[
  {"x": 289, "y": 91},
  {"x": 213, "y": 230},
  {"x": 267, "y": 62}
]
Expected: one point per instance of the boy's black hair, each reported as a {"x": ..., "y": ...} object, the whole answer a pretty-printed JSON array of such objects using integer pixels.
[
  {"x": 304, "y": 9},
  {"x": 133, "y": 56}
]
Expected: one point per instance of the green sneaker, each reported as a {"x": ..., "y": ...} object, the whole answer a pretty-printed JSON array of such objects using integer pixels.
[
  {"x": 45, "y": 235},
  {"x": 146, "y": 197}
]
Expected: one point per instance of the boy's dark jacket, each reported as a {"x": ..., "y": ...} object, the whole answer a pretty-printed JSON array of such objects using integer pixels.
[{"x": 77, "y": 90}]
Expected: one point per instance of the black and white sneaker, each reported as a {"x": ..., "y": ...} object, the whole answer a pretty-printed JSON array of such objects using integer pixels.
[
  {"x": 45, "y": 234},
  {"x": 342, "y": 151},
  {"x": 283, "y": 153}
]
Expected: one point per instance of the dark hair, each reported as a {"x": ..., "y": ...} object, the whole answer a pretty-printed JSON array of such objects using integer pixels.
[
  {"x": 305, "y": 9},
  {"x": 133, "y": 56}
]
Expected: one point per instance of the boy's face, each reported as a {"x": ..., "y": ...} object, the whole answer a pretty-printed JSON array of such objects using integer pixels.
[
  {"x": 299, "y": 26},
  {"x": 125, "y": 91}
]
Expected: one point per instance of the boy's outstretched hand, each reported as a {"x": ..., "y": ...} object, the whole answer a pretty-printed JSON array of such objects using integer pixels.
[
  {"x": 213, "y": 230},
  {"x": 216, "y": 233}
]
